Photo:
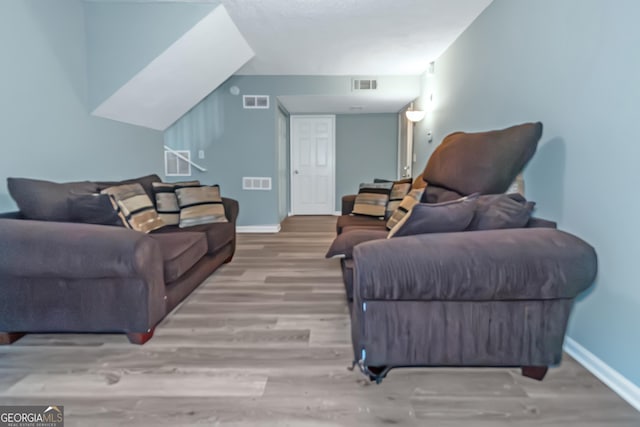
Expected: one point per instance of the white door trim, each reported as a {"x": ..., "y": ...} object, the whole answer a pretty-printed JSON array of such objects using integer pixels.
[{"x": 332, "y": 178}]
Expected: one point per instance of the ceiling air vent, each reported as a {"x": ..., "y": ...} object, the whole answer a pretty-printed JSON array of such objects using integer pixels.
[
  {"x": 365, "y": 84},
  {"x": 255, "y": 101}
]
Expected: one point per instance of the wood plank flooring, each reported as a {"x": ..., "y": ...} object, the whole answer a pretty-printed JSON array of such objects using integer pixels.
[{"x": 265, "y": 342}]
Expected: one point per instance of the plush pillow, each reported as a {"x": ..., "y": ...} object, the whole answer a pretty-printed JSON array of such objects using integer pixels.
[
  {"x": 167, "y": 201},
  {"x": 398, "y": 191},
  {"x": 93, "y": 209},
  {"x": 435, "y": 194},
  {"x": 342, "y": 246},
  {"x": 499, "y": 211},
  {"x": 372, "y": 199},
  {"x": 483, "y": 162},
  {"x": 405, "y": 206},
  {"x": 146, "y": 182},
  {"x": 200, "y": 205},
  {"x": 444, "y": 217},
  {"x": 46, "y": 200},
  {"x": 135, "y": 207}
]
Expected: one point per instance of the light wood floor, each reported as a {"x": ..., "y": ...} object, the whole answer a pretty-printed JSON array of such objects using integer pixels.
[{"x": 265, "y": 342}]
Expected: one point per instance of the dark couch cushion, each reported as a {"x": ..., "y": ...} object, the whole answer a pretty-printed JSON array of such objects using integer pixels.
[
  {"x": 180, "y": 252},
  {"x": 217, "y": 234},
  {"x": 483, "y": 162},
  {"x": 146, "y": 182},
  {"x": 435, "y": 194},
  {"x": 46, "y": 200},
  {"x": 360, "y": 221},
  {"x": 499, "y": 211},
  {"x": 93, "y": 209},
  {"x": 444, "y": 217},
  {"x": 342, "y": 246}
]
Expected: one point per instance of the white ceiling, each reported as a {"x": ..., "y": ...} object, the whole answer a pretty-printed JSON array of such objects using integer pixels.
[{"x": 344, "y": 38}]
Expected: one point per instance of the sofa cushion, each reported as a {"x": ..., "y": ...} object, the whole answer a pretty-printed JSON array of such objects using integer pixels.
[
  {"x": 444, "y": 217},
  {"x": 404, "y": 207},
  {"x": 360, "y": 221},
  {"x": 400, "y": 189},
  {"x": 419, "y": 182},
  {"x": 167, "y": 201},
  {"x": 342, "y": 246},
  {"x": 498, "y": 211},
  {"x": 217, "y": 234},
  {"x": 483, "y": 162},
  {"x": 372, "y": 199},
  {"x": 46, "y": 200},
  {"x": 93, "y": 209},
  {"x": 145, "y": 181},
  {"x": 435, "y": 194},
  {"x": 200, "y": 205},
  {"x": 180, "y": 252},
  {"x": 135, "y": 207}
]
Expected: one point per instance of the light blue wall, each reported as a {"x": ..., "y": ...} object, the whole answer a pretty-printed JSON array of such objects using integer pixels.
[
  {"x": 573, "y": 65},
  {"x": 47, "y": 131},
  {"x": 240, "y": 142},
  {"x": 122, "y": 38},
  {"x": 366, "y": 148}
]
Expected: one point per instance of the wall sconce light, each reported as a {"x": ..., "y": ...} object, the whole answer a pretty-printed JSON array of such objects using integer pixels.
[{"x": 414, "y": 115}]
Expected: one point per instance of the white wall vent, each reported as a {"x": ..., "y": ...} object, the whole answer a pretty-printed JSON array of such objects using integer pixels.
[
  {"x": 177, "y": 163},
  {"x": 256, "y": 183},
  {"x": 364, "y": 84},
  {"x": 255, "y": 101}
]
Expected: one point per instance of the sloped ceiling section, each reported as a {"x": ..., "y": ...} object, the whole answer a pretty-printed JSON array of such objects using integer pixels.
[{"x": 180, "y": 77}]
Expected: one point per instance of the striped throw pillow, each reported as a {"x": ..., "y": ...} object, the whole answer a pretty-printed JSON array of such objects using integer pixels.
[
  {"x": 400, "y": 189},
  {"x": 408, "y": 202},
  {"x": 200, "y": 205},
  {"x": 166, "y": 200},
  {"x": 372, "y": 199},
  {"x": 134, "y": 207}
]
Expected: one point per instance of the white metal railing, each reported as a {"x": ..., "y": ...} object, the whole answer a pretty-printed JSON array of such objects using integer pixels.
[{"x": 180, "y": 156}]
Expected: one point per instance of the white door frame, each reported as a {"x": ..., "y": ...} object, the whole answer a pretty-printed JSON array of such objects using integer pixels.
[
  {"x": 332, "y": 178},
  {"x": 407, "y": 126}
]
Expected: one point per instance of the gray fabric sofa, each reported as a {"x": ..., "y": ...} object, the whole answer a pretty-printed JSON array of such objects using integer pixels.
[
  {"x": 493, "y": 297},
  {"x": 59, "y": 276}
]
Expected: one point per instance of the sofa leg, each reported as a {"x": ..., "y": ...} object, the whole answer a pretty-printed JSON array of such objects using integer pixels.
[
  {"x": 140, "y": 337},
  {"x": 228, "y": 260},
  {"x": 10, "y": 337},
  {"x": 535, "y": 372}
]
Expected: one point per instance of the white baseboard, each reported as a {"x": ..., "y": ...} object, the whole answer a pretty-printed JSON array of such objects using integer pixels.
[
  {"x": 337, "y": 213},
  {"x": 271, "y": 228},
  {"x": 612, "y": 378}
]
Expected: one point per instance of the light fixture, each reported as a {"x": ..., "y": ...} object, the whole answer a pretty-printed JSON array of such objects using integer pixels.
[{"x": 414, "y": 115}]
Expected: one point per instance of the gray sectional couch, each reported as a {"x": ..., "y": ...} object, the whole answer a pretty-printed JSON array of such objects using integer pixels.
[{"x": 62, "y": 276}]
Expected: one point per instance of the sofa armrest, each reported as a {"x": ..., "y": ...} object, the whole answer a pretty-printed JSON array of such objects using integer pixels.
[
  {"x": 231, "y": 209},
  {"x": 347, "y": 203},
  {"x": 513, "y": 264},
  {"x": 43, "y": 249}
]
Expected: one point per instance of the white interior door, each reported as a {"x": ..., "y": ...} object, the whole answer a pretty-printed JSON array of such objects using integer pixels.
[{"x": 313, "y": 142}]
